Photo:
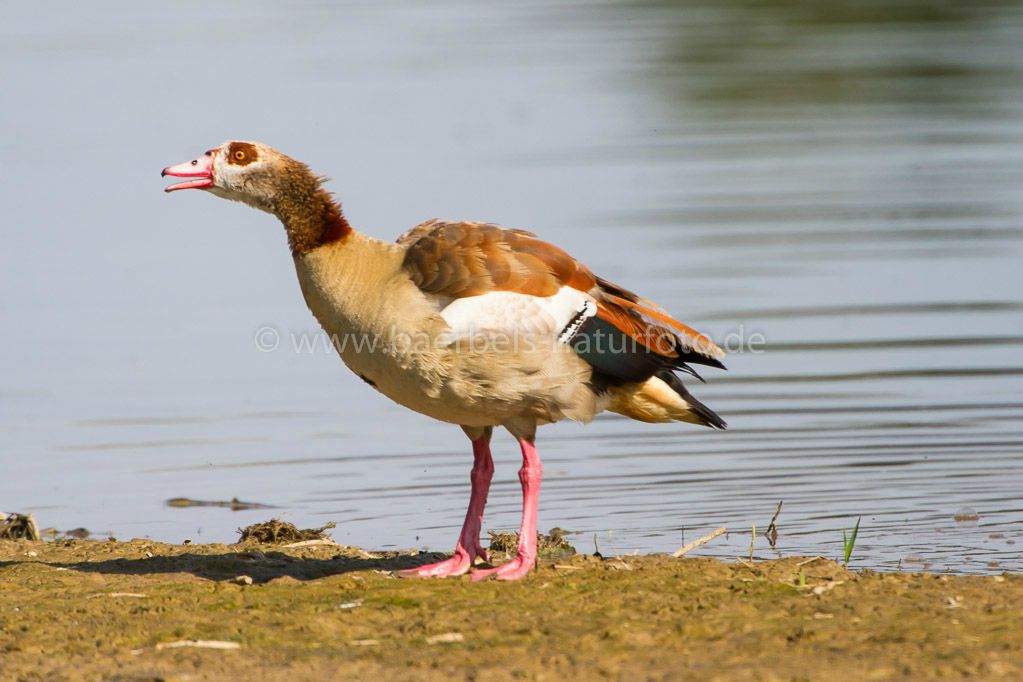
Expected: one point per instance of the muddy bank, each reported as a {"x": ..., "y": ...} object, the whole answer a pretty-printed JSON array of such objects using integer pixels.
[{"x": 86, "y": 610}]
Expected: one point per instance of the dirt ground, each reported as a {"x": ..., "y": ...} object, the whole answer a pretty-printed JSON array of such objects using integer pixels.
[{"x": 89, "y": 610}]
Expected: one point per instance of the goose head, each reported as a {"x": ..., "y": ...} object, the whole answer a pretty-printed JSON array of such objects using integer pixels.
[
  {"x": 264, "y": 178},
  {"x": 250, "y": 172}
]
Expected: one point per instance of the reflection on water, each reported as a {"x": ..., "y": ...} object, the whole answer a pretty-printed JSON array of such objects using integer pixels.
[{"x": 841, "y": 178}]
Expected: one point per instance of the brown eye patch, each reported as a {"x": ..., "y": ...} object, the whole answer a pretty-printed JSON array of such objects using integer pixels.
[{"x": 241, "y": 153}]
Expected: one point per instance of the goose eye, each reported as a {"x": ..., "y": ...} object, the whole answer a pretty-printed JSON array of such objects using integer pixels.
[{"x": 239, "y": 154}]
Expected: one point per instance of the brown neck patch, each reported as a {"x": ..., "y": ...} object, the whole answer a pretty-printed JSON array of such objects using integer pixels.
[
  {"x": 310, "y": 215},
  {"x": 335, "y": 226}
]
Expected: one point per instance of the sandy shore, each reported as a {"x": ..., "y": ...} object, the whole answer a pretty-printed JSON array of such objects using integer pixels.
[{"x": 141, "y": 610}]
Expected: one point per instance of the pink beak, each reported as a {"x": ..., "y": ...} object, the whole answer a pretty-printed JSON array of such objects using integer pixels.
[{"x": 201, "y": 169}]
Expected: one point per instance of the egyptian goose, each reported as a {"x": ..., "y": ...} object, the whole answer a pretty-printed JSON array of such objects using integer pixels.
[{"x": 470, "y": 324}]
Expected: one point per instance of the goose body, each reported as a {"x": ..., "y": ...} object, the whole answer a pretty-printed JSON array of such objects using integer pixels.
[
  {"x": 471, "y": 324},
  {"x": 423, "y": 353}
]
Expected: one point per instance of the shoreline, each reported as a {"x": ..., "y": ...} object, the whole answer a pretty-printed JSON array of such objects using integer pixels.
[{"x": 88, "y": 609}]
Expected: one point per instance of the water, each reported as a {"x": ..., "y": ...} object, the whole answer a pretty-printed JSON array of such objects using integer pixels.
[{"x": 832, "y": 189}]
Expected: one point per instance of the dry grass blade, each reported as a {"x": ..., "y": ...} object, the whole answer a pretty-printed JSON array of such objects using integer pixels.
[
  {"x": 199, "y": 644},
  {"x": 685, "y": 549}
]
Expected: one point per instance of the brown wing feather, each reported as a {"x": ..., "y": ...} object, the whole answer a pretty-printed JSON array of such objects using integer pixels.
[
  {"x": 456, "y": 260},
  {"x": 622, "y": 292},
  {"x": 658, "y": 332}
]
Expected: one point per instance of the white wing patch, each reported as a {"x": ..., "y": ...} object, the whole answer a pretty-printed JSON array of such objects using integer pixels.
[
  {"x": 589, "y": 309},
  {"x": 509, "y": 314}
]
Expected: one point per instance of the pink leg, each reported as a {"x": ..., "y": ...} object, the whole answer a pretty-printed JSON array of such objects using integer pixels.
[
  {"x": 529, "y": 475},
  {"x": 468, "y": 547}
]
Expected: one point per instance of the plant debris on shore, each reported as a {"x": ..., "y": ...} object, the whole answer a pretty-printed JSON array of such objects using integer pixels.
[
  {"x": 18, "y": 527},
  {"x": 550, "y": 545},
  {"x": 277, "y": 532},
  {"x": 234, "y": 504}
]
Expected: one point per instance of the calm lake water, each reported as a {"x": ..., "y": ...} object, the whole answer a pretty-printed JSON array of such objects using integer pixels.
[{"x": 833, "y": 190}]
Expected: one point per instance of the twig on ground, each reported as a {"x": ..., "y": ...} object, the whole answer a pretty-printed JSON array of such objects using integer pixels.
[
  {"x": 446, "y": 638},
  {"x": 199, "y": 644},
  {"x": 685, "y": 549},
  {"x": 772, "y": 529},
  {"x": 310, "y": 543},
  {"x": 804, "y": 562}
]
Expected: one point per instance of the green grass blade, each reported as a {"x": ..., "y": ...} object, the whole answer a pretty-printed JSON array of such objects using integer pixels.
[{"x": 850, "y": 542}]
